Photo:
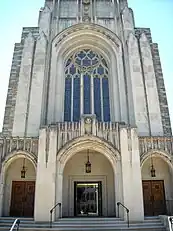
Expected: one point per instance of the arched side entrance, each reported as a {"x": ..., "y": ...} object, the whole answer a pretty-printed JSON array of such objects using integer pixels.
[
  {"x": 158, "y": 189},
  {"x": 18, "y": 192},
  {"x": 73, "y": 182}
]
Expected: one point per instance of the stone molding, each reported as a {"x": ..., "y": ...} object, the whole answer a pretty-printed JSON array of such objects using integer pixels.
[
  {"x": 157, "y": 153},
  {"x": 159, "y": 143},
  {"x": 16, "y": 145},
  {"x": 88, "y": 26}
]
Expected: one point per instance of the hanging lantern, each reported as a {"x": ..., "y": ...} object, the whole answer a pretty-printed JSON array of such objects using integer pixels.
[
  {"x": 153, "y": 171},
  {"x": 23, "y": 170},
  {"x": 88, "y": 164}
]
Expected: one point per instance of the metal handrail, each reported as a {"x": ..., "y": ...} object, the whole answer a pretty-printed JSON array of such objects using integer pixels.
[
  {"x": 51, "y": 211},
  {"x": 127, "y": 211},
  {"x": 170, "y": 222},
  {"x": 16, "y": 222}
]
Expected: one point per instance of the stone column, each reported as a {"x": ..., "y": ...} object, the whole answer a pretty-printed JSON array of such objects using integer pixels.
[
  {"x": 46, "y": 174},
  {"x": 59, "y": 189},
  {"x": 118, "y": 186},
  {"x": 1, "y": 190},
  {"x": 137, "y": 86},
  {"x": 35, "y": 104},
  {"x": 131, "y": 174},
  {"x": 23, "y": 91},
  {"x": 151, "y": 87}
]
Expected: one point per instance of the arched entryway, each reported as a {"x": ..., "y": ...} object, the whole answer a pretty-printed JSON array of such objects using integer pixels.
[
  {"x": 88, "y": 194},
  {"x": 18, "y": 188},
  {"x": 157, "y": 188}
]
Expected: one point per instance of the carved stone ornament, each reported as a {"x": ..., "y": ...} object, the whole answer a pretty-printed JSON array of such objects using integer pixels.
[
  {"x": 86, "y": 2},
  {"x": 88, "y": 125},
  {"x": 86, "y": 19}
]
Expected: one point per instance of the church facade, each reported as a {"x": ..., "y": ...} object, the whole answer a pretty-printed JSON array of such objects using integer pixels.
[{"x": 86, "y": 121}]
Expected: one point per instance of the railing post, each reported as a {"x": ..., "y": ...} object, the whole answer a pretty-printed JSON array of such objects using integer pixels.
[
  {"x": 60, "y": 210},
  {"x": 18, "y": 223},
  {"x": 170, "y": 222},
  {"x": 127, "y": 211},
  {"x": 128, "y": 218},
  {"x": 51, "y": 218},
  {"x": 51, "y": 211},
  {"x": 118, "y": 204}
]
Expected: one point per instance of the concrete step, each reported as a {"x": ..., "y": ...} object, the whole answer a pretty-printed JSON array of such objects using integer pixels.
[{"x": 84, "y": 224}]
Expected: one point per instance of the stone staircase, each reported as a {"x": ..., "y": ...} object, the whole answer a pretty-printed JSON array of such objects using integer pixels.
[{"x": 84, "y": 224}]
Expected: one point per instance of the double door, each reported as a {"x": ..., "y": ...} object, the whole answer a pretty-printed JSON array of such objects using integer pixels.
[
  {"x": 22, "y": 199},
  {"x": 88, "y": 199},
  {"x": 154, "y": 197}
]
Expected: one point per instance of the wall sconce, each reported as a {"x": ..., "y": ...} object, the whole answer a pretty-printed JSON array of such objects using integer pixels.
[
  {"x": 23, "y": 170},
  {"x": 88, "y": 164}
]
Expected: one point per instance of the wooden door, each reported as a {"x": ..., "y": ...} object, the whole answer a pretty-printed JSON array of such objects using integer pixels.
[
  {"x": 22, "y": 198},
  {"x": 154, "y": 198}
]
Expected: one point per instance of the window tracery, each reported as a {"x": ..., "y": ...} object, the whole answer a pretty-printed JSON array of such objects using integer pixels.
[{"x": 86, "y": 86}]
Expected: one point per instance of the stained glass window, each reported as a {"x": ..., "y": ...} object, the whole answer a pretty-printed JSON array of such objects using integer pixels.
[
  {"x": 106, "y": 110},
  {"x": 67, "y": 101},
  {"x": 87, "y": 93},
  {"x": 86, "y": 86},
  {"x": 76, "y": 99},
  {"x": 97, "y": 99}
]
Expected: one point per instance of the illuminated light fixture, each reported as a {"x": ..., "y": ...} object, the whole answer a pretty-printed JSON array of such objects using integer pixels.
[
  {"x": 88, "y": 164},
  {"x": 23, "y": 170}
]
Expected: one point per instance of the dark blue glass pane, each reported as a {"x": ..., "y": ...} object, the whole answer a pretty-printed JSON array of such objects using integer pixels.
[
  {"x": 86, "y": 62},
  {"x": 72, "y": 69},
  {"x": 81, "y": 55},
  {"x": 97, "y": 99},
  {"x": 95, "y": 61},
  {"x": 91, "y": 55},
  {"x": 76, "y": 99},
  {"x": 100, "y": 70},
  {"x": 106, "y": 106},
  {"x": 67, "y": 101},
  {"x": 87, "y": 94}
]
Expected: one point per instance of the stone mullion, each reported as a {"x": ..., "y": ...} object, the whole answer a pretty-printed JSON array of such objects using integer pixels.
[
  {"x": 81, "y": 94},
  {"x": 72, "y": 79},
  {"x": 92, "y": 94}
]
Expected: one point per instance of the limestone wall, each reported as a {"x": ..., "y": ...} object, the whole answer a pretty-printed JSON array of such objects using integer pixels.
[
  {"x": 12, "y": 90},
  {"x": 152, "y": 98}
]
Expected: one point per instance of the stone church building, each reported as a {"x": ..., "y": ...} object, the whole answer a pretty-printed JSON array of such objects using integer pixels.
[{"x": 86, "y": 121}]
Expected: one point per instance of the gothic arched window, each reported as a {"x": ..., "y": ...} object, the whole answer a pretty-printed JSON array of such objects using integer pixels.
[{"x": 86, "y": 86}]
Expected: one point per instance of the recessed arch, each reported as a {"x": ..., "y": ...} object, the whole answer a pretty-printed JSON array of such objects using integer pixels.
[
  {"x": 90, "y": 27},
  {"x": 69, "y": 41},
  {"x": 19, "y": 154},
  {"x": 83, "y": 143},
  {"x": 107, "y": 170},
  {"x": 7, "y": 163},
  {"x": 157, "y": 153}
]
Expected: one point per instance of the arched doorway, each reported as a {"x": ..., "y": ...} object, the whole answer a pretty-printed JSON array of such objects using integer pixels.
[
  {"x": 18, "y": 190},
  {"x": 88, "y": 194},
  {"x": 157, "y": 190}
]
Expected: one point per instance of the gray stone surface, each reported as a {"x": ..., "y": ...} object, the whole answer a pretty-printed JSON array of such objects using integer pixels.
[{"x": 161, "y": 91}]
